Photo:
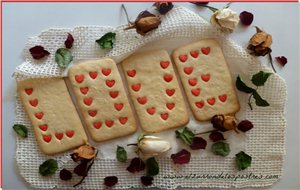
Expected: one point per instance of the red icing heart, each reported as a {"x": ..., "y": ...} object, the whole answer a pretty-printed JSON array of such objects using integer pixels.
[
  {"x": 196, "y": 91},
  {"x": 118, "y": 106},
  {"x": 168, "y": 78},
  {"x": 113, "y": 94},
  {"x": 109, "y": 123},
  {"x": 170, "y": 105},
  {"x": 47, "y": 138},
  {"x": 151, "y": 111},
  {"x": 28, "y": 91},
  {"x": 170, "y": 92},
  {"x": 193, "y": 81},
  {"x": 93, "y": 74},
  {"x": 39, "y": 115},
  {"x": 70, "y": 133},
  {"x": 164, "y": 116},
  {"x": 223, "y": 98},
  {"x": 43, "y": 127},
  {"x": 136, "y": 87},
  {"x": 123, "y": 120},
  {"x": 79, "y": 78},
  {"x": 211, "y": 101},
  {"x": 164, "y": 64},
  {"x": 200, "y": 104},
  {"x": 59, "y": 136},
  {"x": 84, "y": 90},
  {"x": 183, "y": 58},
  {"x": 92, "y": 113},
  {"x": 205, "y": 50},
  {"x": 205, "y": 77},
  {"x": 34, "y": 102},
  {"x": 97, "y": 125},
  {"x": 110, "y": 83},
  {"x": 106, "y": 71},
  {"x": 194, "y": 54},
  {"x": 142, "y": 100},
  {"x": 188, "y": 70},
  {"x": 88, "y": 101},
  {"x": 131, "y": 73}
]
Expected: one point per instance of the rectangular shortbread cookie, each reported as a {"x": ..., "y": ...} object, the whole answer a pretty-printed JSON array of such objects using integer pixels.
[
  {"x": 56, "y": 124},
  {"x": 155, "y": 91},
  {"x": 206, "y": 79},
  {"x": 102, "y": 99}
]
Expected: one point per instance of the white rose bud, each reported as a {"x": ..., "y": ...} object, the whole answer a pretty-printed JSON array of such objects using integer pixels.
[
  {"x": 151, "y": 146},
  {"x": 225, "y": 19}
]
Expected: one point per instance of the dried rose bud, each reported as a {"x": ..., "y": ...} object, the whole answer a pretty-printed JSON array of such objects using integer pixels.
[
  {"x": 163, "y": 7},
  {"x": 246, "y": 18},
  {"x": 65, "y": 175},
  {"x": 181, "y": 157},
  {"x": 229, "y": 122},
  {"x": 146, "y": 180},
  {"x": 281, "y": 60},
  {"x": 217, "y": 122},
  {"x": 84, "y": 152},
  {"x": 245, "y": 125},
  {"x": 110, "y": 181},
  {"x": 136, "y": 165},
  {"x": 260, "y": 43},
  {"x": 224, "y": 123},
  {"x": 216, "y": 136},
  {"x": 198, "y": 143}
]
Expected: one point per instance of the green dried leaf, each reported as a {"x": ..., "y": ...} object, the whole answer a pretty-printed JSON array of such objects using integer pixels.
[
  {"x": 63, "y": 57},
  {"x": 21, "y": 130},
  {"x": 185, "y": 135},
  {"x": 152, "y": 167},
  {"x": 259, "y": 101},
  {"x": 107, "y": 40},
  {"x": 121, "y": 154},
  {"x": 241, "y": 86},
  {"x": 220, "y": 148},
  {"x": 243, "y": 160},
  {"x": 260, "y": 78},
  {"x": 48, "y": 168}
]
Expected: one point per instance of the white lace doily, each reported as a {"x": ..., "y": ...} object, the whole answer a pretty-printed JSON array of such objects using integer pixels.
[{"x": 265, "y": 142}]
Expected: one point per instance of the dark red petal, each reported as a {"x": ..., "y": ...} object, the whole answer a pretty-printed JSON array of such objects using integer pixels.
[
  {"x": 65, "y": 175},
  {"x": 216, "y": 136},
  {"x": 182, "y": 157},
  {"x": 163, "y": 7},
  {"x": 245, "y": 125},
  {"x": 146, "y": 180},
  {"x": 200, "y": 3},
  {"x": 38, "y": 52},
  {"x": 81, "y": 169},
  {"x": 69, "y": 41},
  {"x": 198, "y": 143},
  {"x": 281, "y": 60},
  {"x": 110, "y": 181},
  {"x": 136, "y": 165},
  {"x": 246, "y": 18}
]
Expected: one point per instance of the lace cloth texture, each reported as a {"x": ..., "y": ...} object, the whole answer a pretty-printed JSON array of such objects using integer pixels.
[{"x": 265, "y": 142}]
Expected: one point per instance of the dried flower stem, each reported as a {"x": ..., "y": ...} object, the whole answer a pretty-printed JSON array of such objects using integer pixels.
[
  {"x": 271, "y": 61},
  {"x": 207, "y": 132},
  {"x": 249, "y": 99},
  {"x": 209, "y": 7},
  {"x": 127, "y": 17},
  {"x": 132, "y": 144}
]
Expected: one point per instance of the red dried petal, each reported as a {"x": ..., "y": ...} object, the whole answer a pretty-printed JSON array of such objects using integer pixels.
[
  {"x": 216, "y": 136},
  {"x": 69, "y": 41},
  {"x": 182, "y": 157},
  {"x": 245, "y": 125},
  {"x": 146, "y": 180},
  {"x": 136, "y": 165},
  {"x": 81, "y": 169},
  {"x": 38, "y": 52},
  {"x": 110, "y": 181},
  {"x": 65, "y": 175},
  {"x": 281, "y": 60},
  {"x": 198, "y": 143},
  {"x": 246, "y": 18},
  {"x": 163, "y": 7}
]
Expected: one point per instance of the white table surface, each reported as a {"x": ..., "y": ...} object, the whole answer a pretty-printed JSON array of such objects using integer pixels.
[{"x": 22, "y": 20}]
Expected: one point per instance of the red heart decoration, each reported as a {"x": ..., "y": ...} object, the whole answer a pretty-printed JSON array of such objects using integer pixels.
[
  {"x": 79, "y": 78},
  {"x": 183, "y": 58},
  {"x": 151, "y": 111},
  {"x": 142, "y": 100},
  {"x": 88, "y": 101},
  {"x": 34, "y": 102},
  {"x": 106, "y": 71},
  {"x": 118, "y": 106},
  {"x": 164, "y": 116},
  {"x": 168, "y": 78},
  {"x": 92, "y": 113},
  {"x": 39, "y": 115},
  {"x": 205, "y": 50},
  {"x": 170, "y": 105},
  {"x": 205, "y": 77},
  {"x": 131, "y": 73},
  {"x": 28, "y": 91},
  {"x": 136, "y": 87},
  {"x": 113, "y": 94},
  {"x": 109, "y": 123},
  {"x": 93, "y": 74},
  {"x": 123, "y": 120},
  {"x": 84, "y": 90},
  {"x": 194, "y": 54},
  {"x": 211, "y": 101},
  {"x": 97, "y": 125},
  {"x": 223, "y": 98},
  {"x": 164, "y": 64},
  {"x": 188, "y": 70},
  {"x": 170, "y": 92},
  {"x": 196, "y": 91},
  {"x": 110, "y": 83},
  {"x": 43, "y": 127},
  {"x": 59, "y": 136},
  {"x": 70, "y": 133},
  {"x": 193, "y": 81},
  {"x": 47, "y": 138},
  {"x": 200, "y": 104}
]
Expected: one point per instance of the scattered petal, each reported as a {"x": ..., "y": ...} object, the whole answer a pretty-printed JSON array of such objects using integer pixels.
[
  {"x": 182, "y": 157},
  {"x": 136, "y": 165},
  {"x": 216, "y": 136},
  {"x": 220, "y": 148},
  {"x": 38, "y": 52},
  {"x": 243, "y": 160},
  {"x": 107, "y": 40},
  {"x": 198, "y": 143},
  {"x": 246, "y": 18},
  {"x": 69, "y": 41},
  {"x": 65, "y": 175},
  {"x": 110, "y": 181},
  {"x": 281, "y": 60},
  {"x": 163, "y": 7},
  {"x": 245, "y": 125},
  {"x": 200, "y": 3},
  {"x": 81, "y": 169},
  {"x": 146, "y": 180}
]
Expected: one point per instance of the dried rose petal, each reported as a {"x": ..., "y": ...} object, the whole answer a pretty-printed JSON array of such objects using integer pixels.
[
  {"x": 69, "y": 41},
  {"x": 281, "y": 60},
  {"x": 65, "y": 174},
  {"x": 146, "y": 180},
  {"x": 245, "y": 125},
  {"x": 110, "y": 181},
  {"x": 198, "y": 143},
  {"x": 216, "y": 136},
  {"x": 246, "y": 18},
  {"x": 81, "y": 169},
  {"x": 136, "y": 165},
  {"x": 163, "y": 7},
  {"x": 182, "y": 157},
  {"x": 38, "y": 52}
]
